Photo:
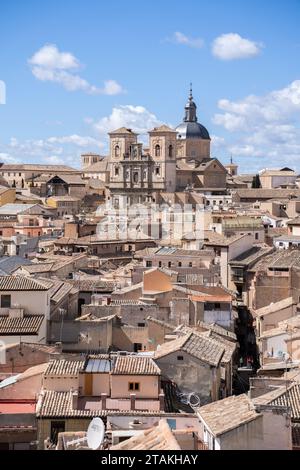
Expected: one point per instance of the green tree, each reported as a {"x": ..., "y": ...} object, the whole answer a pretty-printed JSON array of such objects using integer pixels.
[{"x": 256, "y": 182}]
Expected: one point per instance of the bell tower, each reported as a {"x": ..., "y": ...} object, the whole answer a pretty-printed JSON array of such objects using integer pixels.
[{"x": 163, "y": 153}]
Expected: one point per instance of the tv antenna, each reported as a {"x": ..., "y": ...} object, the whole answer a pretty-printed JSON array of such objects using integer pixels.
[{"x": 94, "y": 435}]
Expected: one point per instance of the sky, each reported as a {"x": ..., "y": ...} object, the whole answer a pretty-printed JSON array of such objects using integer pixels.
[{"x": 72, "y": 71}]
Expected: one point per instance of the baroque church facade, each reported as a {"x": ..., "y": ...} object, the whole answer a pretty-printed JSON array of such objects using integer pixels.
[{"x": 176, "y": 160}]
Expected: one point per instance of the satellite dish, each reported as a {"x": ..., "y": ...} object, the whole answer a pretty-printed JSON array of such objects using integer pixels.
[
  {"x": 95, "y": 433},
  {"x": 194, "y": 400}
]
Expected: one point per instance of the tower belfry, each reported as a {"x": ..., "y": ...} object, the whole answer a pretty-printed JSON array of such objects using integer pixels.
[{"x": 190, "y": 108}]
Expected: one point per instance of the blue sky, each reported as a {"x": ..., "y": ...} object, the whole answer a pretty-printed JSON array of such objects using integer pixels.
[{"x": 75, "y": 69}]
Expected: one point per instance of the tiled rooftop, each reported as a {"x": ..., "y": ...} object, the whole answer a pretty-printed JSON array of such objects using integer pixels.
[
  {"x": 64, "y": 368},
  {"x": 157, "y": 438},
  {"x": 135, "y": 365},
  {"x": 29, "y": 325},
  {"x": 227, "y": 414},
  {"x": 205, "y": 349},
  {"x": 17, "y": 283},
  {"x": 54, "y": 404},
  {"x": 286, "y": 398}
]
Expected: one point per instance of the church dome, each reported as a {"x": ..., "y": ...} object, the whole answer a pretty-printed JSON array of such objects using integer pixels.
[{"x": 190, "y": 128}]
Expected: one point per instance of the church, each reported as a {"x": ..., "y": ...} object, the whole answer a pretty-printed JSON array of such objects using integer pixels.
[{"x": 176, "y": 160}]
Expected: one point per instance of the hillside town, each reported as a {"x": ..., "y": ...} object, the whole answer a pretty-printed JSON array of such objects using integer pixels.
[{"x": 156, "y": 288}]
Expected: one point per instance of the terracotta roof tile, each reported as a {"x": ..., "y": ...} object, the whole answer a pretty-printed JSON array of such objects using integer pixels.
[
  {"x": 64, "y": 368},
  {"x": 157, "y": 438},
  {"x": 16, "y": 283},
  {"x": 135, "y": 365},
  {"x": 197, "y": 345},
  {"x": 224, "y": 415},
  {"x": 28, "y": 325}
]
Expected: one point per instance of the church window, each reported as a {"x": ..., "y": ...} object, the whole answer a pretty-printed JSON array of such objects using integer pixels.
[
  {"x": 171, "y": 151},
  {"x": 117, "y": 151},
  {"x": 157, "y": 150}
]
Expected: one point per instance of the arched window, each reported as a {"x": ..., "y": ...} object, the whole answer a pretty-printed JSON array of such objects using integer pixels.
[
  {"x": 116, "y": 171},
  {"x": 171, "y": 151},
  {"x": 117, "y": 151},
  {"x": 157, "y": 150},
  {"x": 135, "y": 177}
]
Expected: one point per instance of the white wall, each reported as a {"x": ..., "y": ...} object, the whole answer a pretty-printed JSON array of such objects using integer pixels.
[
  {"x": 61, "y": 384},
  {"x": 33, "y": 302}
]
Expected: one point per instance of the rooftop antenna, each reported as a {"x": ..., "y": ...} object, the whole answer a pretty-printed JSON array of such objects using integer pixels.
[{"x": 94, "y": 435}]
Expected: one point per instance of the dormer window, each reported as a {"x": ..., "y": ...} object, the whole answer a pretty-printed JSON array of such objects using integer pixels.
[{"x": 157, "y": 150}]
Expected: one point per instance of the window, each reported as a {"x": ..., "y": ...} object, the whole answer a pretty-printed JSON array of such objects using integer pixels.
[
  {"x": 179, "y": 358},
  {"x": 117, "y": 151},
  {"x": 179, "y": 264},
  {"x": 190, "y": 264},
  {"x": 137, "y": 347},
  {"x": 157, "y": 150},
  {"x": 159, "y": 264},
  {"x": 5, "y": 301},
  {"x": 116, "y": 171},
  {"x": 157, "y": 170},
  {"x": 169, "y": 264},
  {"x": 256, "y": 236},
  {"x": 1, "y": 233},
  {"x": 135, "y": 177},
  {"x": 148, "y": 264},
  {"x": 141, "y": 325},
  {"x": 170, "y": 151},
  {"x": 56, "y": 427},
  {"x": 134, "y": 386},
  {"x": 217, "y": 306}
]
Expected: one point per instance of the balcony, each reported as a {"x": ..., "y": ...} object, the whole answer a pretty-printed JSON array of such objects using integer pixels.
[
  {"x": 12, "y": 312},
  {"x": 238, "y": 279}
]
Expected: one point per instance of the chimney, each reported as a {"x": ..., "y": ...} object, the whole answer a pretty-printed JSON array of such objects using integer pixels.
[
  {"x": 132, "y": 401},
  {"x": 103, "y": 400},
  {"x": 74, "y": 399},
  {"x": 161, "y": 398}
]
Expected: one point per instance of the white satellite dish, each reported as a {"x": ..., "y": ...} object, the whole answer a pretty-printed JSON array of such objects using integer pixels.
[{"x": 95, "y": 433}]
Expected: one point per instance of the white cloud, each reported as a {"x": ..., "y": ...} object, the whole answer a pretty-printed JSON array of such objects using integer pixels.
[
  {"x": 51, "y": 58},
  {"x": 232, "y": 46},
  {"x": 78, "y": 140},
  {"x": 49, "y": 64},
  {"x": 55, "y": 160},
  {"x": 53, "y": 150},
  {"x": 180, "y": 38},
  {"x": 137, "y": 118},
  {"x": 6, "y": 158},
  {"x": 264, "y": 126},
  {"x": 111, "y": 87}
]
